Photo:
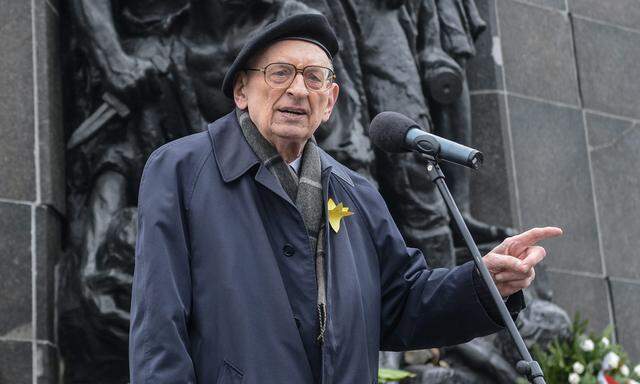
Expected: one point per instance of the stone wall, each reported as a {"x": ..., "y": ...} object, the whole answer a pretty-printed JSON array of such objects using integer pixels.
[
  {"x": 555, "y": 93},
  {"x": 31, "y": 188}
]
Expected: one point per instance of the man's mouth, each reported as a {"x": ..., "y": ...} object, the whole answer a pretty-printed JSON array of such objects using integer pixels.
[{"x": 293, "y": 111}]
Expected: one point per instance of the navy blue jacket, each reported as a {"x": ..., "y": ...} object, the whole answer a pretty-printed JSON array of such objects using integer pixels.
[{"x": 209, "y": 302}]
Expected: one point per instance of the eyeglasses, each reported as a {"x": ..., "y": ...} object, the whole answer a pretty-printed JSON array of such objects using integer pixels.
[{"x": 280, "y": 75}]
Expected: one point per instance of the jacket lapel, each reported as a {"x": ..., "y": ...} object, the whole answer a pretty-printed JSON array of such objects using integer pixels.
[
  {"x": 269, "y": 181},
  {"x": 235, "y": 157}
]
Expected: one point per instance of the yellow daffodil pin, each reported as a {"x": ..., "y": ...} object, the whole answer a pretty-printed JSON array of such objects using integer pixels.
[{"x": 336, "y": 213}]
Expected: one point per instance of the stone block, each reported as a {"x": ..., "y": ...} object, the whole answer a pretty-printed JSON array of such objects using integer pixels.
[
  {"x": 17, "y": 170},
  {"x": 625, "y": 13},
  {"x": 537, "y": 50},
  {"x": 608, "y": 67},
  {"x": 14, "y": 14},
  {"x": 558, "y": 4},
  {"x": 15, "y": 362},
  {"x": 585, "y": 295},
  {"x": 48, "y": 249},
  {"x": 15, "y": 274},
  {"x": 50, "y": 128},
  {"x": 484, "y": 70},
  {"x": 615, "y": 160},
  {"x": 554, "y": 181},
  {"x": 491, "y": 185},
  {"x": 627, "y": 312}
]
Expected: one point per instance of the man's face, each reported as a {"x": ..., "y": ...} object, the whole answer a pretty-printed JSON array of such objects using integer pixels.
[{"x": 290, "y": 114}]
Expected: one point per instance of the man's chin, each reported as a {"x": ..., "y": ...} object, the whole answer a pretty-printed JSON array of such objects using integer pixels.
[{"x": 292, "y": 132}]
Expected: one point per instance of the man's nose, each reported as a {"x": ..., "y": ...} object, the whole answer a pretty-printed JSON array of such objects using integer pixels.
[{"x": 297, "y": 87}]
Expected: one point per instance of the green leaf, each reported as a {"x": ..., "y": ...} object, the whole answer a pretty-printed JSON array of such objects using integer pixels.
[{"x": 386, "y": 375}]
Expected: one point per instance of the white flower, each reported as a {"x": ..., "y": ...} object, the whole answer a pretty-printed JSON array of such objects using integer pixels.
[
  {"x": 587, "y": 345},
  {"x": 624, "y": 370},
  {"x": 578, "y": 368},
  {"x": 574, "y": 378},
  {"x": 610, "y": 361},
  {"x": 605, "y": 341},
  {"x": 632, "y": 382},
  {"x": 637, "y": 369}
]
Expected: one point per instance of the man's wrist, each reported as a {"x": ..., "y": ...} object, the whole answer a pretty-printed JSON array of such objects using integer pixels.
[{"x": 515, "y": 302}]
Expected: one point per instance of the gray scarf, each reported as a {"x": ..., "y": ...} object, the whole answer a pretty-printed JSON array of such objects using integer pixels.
[{"x": 304, "y": 190}]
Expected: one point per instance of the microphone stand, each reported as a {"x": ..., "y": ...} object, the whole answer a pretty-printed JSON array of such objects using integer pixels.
[{"x": 527, "y": 366}]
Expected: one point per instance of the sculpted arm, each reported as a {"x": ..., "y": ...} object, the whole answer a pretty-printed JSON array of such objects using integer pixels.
[
  {"x": 430, "y": 52},
  {"x": 126, "y": 75}
]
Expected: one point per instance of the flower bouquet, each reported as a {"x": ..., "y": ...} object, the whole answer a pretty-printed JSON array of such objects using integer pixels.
[{"x": 586, "y": 358}]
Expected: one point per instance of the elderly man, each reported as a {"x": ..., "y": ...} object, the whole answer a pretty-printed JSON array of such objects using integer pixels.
[{"x": 260, "y": 259}]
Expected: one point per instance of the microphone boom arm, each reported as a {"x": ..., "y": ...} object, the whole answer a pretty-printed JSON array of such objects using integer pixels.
[{"x": 527, "y": 366}]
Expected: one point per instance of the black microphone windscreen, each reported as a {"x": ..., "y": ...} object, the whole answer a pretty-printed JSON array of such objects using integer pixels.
[{"x": 388, "y": 131}]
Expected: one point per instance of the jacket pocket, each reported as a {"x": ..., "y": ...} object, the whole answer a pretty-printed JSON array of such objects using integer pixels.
[{"x": 229, "y": 374}]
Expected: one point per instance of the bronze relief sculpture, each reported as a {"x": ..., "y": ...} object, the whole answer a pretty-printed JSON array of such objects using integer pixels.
[{"x": 163, "y": 62}]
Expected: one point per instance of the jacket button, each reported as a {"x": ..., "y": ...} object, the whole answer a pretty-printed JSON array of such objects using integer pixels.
[{"x": 288, "y": 250}]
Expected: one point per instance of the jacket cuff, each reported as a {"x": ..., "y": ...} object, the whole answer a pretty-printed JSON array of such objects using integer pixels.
[{"x": 515, "y": 302}]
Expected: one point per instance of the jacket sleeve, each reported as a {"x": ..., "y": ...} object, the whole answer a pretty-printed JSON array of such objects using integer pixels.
[
  {"x": 422, "y": 307},
  {"x": 161, "y": 293}
]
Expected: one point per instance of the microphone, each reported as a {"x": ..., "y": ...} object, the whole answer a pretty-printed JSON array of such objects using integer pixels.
[{"x": 394, "y": 132}]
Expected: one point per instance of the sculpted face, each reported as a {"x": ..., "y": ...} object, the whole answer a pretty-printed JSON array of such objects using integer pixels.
[{"x": 290, "y": 114}]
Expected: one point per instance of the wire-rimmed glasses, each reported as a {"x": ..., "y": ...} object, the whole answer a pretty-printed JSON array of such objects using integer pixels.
[{"x": 280, "y": 75}]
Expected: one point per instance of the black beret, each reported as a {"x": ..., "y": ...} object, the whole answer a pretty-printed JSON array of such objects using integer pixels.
[{"x": 310, "y": 27}]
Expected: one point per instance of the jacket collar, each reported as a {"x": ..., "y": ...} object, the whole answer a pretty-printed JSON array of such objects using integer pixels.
[
  {"x": 330, "y": 164},
  {"x": 235, "y": 157},
  {"x": 232, "y": 152}
]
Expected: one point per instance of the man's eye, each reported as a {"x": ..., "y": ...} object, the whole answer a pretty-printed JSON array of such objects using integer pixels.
[
  {"x": 280, "y": 71},
  {"x": 280, "y": 76},
  {"x": 315, "y": 77}
]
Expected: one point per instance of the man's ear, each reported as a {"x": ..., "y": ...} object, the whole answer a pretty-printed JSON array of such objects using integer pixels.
[
  {"x": 331, "y": 102},
  {"x": 239, "y": 90}
]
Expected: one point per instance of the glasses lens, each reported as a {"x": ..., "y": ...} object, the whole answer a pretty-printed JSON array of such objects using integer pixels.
[
  {"x": 279, "y": 75},
  {"x": 317, "y": 78}
]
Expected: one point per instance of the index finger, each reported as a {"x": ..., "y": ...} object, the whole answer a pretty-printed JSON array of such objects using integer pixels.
[
  {"x": 534, "y": 235},
  {"x": 514, "y": 245}
]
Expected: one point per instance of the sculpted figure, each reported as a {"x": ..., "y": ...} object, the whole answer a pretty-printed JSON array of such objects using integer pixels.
[
  {"x": 164, "y": 61},
  {"x": 128, "y": 57},
  {"x": 450, "y": 44},
  {"x": 392, "y": 83}
]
